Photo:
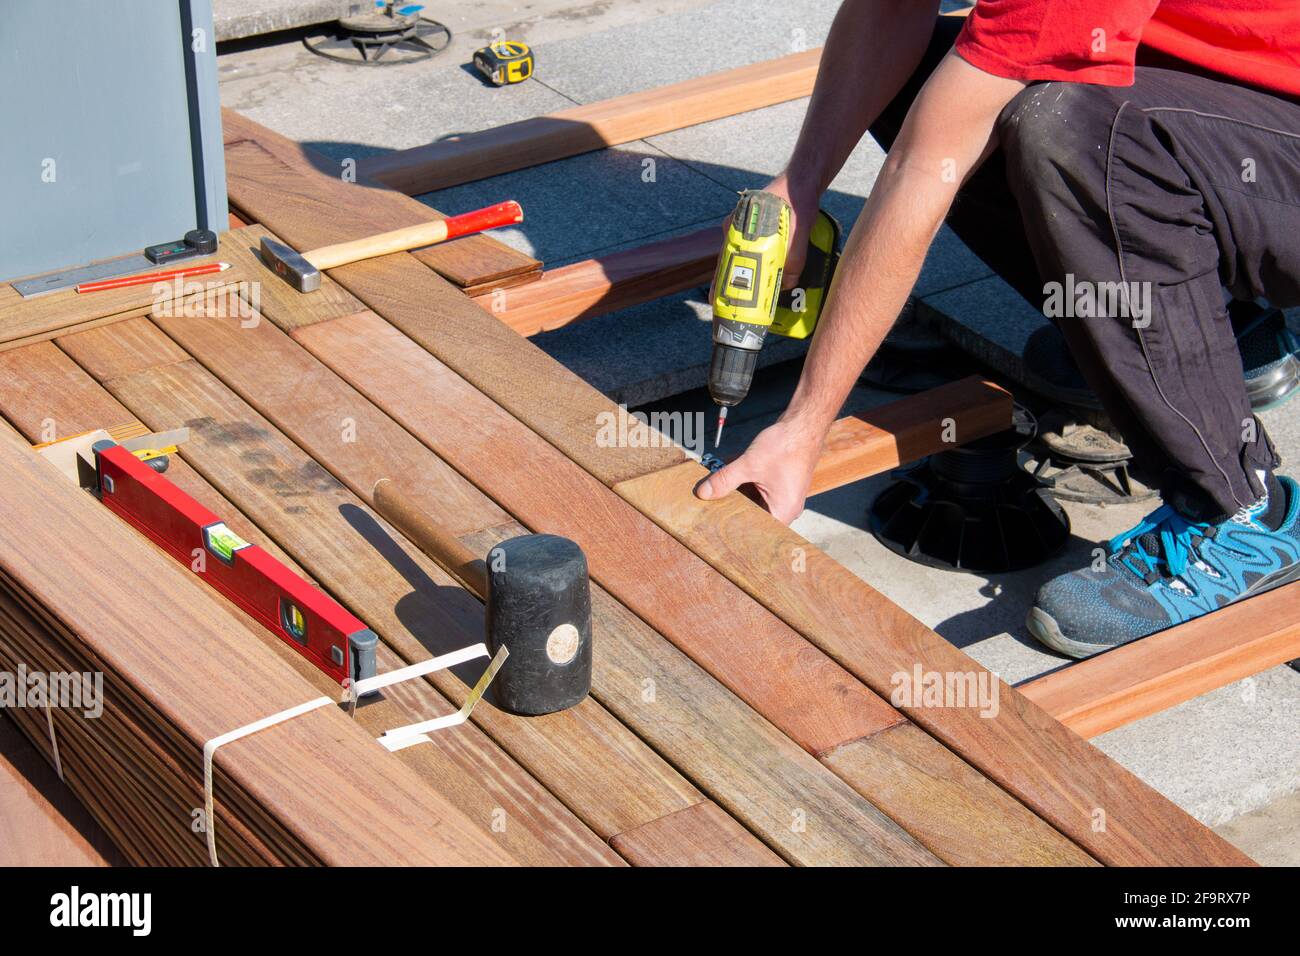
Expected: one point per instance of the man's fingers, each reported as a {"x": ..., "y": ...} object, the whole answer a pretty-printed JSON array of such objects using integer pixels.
[{"x": 723, "y": 481}]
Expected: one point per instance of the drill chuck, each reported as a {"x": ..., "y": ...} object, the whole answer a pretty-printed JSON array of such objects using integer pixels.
[{"x": 730, "y": 373}]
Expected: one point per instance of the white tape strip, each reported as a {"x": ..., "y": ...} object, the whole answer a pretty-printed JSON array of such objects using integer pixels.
[
  {"x": 54, "y": 741},
  {"x": 392, "y": 739},
  {"x": 210, "y": 748},
  {"x": 401, "y": 737},
  {"x": 439, "y": 663}
]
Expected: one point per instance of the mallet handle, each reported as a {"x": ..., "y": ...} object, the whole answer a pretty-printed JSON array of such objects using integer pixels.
[
  {"x": 416, "y": 524},
  {"x": 413, "y": 237}
]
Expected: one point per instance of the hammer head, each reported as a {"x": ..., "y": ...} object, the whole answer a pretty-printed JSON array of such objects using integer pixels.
[
  {"x": 539, "y": 606},
  {"x": 290, "y": 266}
]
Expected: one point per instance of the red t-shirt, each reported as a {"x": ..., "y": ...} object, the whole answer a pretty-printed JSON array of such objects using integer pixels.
[{"x": 1096, "y": 41}]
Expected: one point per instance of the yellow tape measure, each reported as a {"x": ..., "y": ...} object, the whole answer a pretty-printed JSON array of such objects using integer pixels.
[{"x": 505, "y": 62}]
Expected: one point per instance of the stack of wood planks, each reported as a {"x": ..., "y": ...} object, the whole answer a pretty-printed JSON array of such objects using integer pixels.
[
  {"x": 742, "y": 710},
  {"x": 81, "y": 594}
]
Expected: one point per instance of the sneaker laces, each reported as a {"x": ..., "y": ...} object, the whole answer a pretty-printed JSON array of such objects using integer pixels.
[{"x": 1164, "y": 536}]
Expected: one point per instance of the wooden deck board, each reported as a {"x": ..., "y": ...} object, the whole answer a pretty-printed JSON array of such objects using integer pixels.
[
  {"x": 1156, "y": 673},
  {"x": 468, "y": 769},
  {"x": 702, "y": 835},
  {"x": 580, "y": 129},
  {"x": 730, "y": 753},
  {"x": 1020, "y": 747},
  {"x": 606, "y": 776},
  {"x": 763, "y": 662}
]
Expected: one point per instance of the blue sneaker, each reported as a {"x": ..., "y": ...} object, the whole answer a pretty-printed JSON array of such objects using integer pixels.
[{"x": 1165, "y": 571}]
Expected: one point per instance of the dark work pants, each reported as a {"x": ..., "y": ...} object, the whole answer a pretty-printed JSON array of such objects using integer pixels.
[{"x": 1181, "y": 186}]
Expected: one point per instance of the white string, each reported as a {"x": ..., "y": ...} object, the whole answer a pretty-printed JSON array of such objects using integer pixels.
[
  {"x": 401, "y": 737},
  {"x": 54, "y": 741},
  {"x": 395, "y": 739},
  {"x": 210, "y": 748}
]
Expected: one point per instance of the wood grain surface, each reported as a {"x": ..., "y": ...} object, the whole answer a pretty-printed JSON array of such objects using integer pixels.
[
  {"x": 62, "y": 559},
  {"x": 607, "y": 283},
  {"x": 872, "y": 442},
  {"x": 364, "y": 208},
  {"x": 580, "y": 129},
  {"x": 720, "y": 744},
  {"x": 1062, "y": 778},
  {"x": 41, "y": 821},
  {"x": 474, "y": 774},
  {"x": 516, "y": 374},
  {"x": 702, "y": 835}
]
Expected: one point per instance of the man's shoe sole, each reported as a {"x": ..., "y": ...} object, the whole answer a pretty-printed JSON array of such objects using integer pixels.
[{"x": 1045, "y": 629}]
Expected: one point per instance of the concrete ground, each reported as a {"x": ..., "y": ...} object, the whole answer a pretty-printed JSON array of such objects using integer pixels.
[{"x": 1232, "y": 757}]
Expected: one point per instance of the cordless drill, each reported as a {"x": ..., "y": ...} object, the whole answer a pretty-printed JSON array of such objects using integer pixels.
[{"x": 746, "y": 294}]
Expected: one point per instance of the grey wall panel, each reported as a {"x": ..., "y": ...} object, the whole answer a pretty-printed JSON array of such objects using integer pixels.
[{"x": 95, "y": 130}]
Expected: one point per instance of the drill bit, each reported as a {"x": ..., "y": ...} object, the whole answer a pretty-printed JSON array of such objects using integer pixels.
[{"x": 722, "y": 420}]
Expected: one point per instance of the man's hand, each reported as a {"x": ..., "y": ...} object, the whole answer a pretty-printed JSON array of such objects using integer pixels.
[
  {"x": 779, "y": 463},
  {"x": 803, "y": 200}
]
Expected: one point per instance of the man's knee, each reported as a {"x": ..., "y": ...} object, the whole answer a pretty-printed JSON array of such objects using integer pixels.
[{"x": 1050, "y": 128}]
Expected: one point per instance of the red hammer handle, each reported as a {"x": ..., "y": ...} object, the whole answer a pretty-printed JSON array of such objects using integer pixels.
[{"x": 489, "y": 217}]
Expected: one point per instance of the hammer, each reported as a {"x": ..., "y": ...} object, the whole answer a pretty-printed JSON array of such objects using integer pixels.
[
  {"x": 538, "y": 596},
  {"x": 302, "y": 270}
]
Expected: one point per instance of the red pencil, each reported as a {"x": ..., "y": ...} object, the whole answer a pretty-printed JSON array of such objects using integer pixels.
[{"x": 145, "y": 278}]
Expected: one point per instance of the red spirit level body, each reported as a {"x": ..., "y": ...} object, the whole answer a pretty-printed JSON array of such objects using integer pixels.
[{"x": 301, "y": 615}]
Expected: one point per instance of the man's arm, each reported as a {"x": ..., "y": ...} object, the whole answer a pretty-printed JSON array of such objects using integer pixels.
[
  {"x": 947, "y": 134},
  {"x": 872, "y": 49}
]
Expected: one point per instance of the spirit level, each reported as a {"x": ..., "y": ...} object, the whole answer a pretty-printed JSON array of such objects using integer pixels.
[{"x": 301, "y": 615}]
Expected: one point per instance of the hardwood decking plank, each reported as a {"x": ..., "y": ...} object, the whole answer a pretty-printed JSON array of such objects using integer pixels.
[
  {"x": 730, "y": 752},
  {"x": 702, "y": 835},
  {"x": 1023, "y": 749},
  {"x": 580, "y": 129},
  {"x": 871, "y": 442},
  {"x": 607, "y": 283},
  {"x": 762, "y": 662},
  {"x": 605, "y": 774},
  {"x": 532, "y": 386}
]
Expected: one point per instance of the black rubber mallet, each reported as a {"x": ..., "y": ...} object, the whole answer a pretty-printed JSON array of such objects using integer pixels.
[{"x": 538, "y": 596}]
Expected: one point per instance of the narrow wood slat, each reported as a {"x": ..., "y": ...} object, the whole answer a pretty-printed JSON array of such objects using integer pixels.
[
  {"x": 702, "y": 835},
  {"x": 714, "y": 739},
  {"x": 604, "y": 773},
  {"x": 472, "y": 261},
  {"x": 463, "y": 765},
  {"x": 1153, "y": 674},
  {"x": 760, "y": 660},
  {"x": 528, "y": 383},
  {"x": 580, "y": 129},
  {"x": 67, "y": 551},
  {"x": 874, "y": 441},
  {"x": 1026, "y": 751},
  {"x": 605, "y": 284}
]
